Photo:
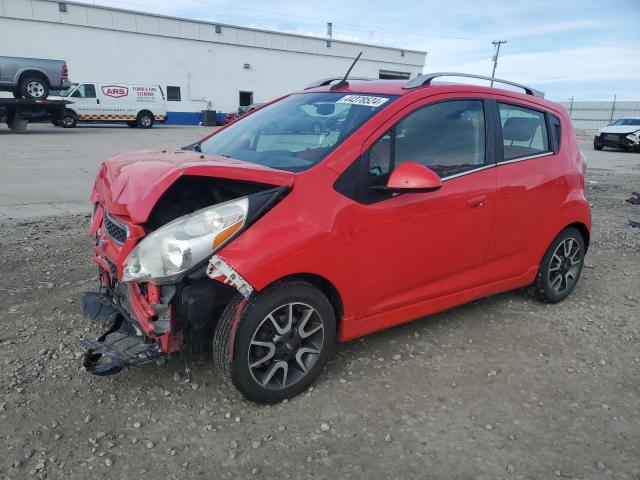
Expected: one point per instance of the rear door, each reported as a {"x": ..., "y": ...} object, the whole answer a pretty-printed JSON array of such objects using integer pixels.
[
  {"x": 531, "y": 187},
  {"x": 413, "y": 247}
]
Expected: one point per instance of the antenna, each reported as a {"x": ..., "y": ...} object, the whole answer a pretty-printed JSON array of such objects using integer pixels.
[{"x": 343, "y": 82}]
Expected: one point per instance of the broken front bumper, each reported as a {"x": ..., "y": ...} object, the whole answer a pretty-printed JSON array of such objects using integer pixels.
[{"x": 123, "y": 344}]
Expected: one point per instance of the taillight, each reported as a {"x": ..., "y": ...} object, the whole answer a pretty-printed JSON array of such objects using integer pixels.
[{"x": 65, "y": 71}]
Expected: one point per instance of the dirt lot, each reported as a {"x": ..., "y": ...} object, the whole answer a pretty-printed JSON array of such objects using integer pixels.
[{"x": 502, "y": 388}]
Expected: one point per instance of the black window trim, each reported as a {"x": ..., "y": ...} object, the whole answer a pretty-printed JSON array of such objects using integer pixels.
[{"x": 500, "y": 139}]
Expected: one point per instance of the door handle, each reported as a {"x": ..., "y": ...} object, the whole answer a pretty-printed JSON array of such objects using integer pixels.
[{"x": 477, "y": 202}]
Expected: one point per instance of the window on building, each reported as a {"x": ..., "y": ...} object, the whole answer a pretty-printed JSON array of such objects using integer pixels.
[
  {"x": 85, "y": 90},
  {"x": 524, "y": 131},
  {"x": 173, "y": 94},
  {"x": 389, "y": 75},
  {"x": 246, "y": 98}
]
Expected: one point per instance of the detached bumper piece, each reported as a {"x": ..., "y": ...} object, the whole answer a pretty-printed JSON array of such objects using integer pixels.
[{"x": 123, "y": 345}]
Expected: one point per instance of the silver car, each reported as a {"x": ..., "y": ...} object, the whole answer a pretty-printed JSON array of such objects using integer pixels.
[{"x": 32, "y": 78}]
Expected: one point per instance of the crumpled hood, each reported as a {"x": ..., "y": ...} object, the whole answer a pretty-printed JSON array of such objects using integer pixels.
[
  {"x": 620, "y": 129},
  {"x": 130, "y": 184}
]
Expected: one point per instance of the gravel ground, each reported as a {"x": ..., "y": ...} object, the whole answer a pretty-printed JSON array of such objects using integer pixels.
[{"x": 504, "y": 387}]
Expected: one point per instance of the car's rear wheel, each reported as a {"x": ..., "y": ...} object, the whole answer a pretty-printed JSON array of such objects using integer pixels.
[
  {"x": 560, "y": 268},
  {"x": 597, "y": 143},
  {"x": 274, "y": 345},
  {"x": 34, "y": 87}
]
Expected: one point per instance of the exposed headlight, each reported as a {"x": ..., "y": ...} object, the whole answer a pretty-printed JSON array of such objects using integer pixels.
[
  {"x": 173, "y": 249},
  {"x": 634, "y": 137}
]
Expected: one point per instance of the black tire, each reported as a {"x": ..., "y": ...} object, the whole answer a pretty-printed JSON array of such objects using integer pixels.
[
  {"x": 316, "y": 128},
  {"x": 597, "y": 145},
  {"x": 34, "y": 87},
  {"x": 559, "y": 262},
  {"x": 68, "y": 119},
  {"x": 144, "y": 119},
  {"x": 133, "y": 124},
  {"x": 244, "y": 320}
]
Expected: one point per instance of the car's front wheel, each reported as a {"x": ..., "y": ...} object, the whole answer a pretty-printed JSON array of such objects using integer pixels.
[
  {"x": 274, "y": 345},
  {"x": 597, "y": 143},
  {"x": 560, "y": 268}
]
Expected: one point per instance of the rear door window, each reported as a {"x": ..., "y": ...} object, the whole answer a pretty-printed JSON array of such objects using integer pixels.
[{"x": 524, "y": 131}]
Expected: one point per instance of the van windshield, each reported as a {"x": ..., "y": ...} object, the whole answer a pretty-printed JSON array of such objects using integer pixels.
[
  {"x": 63, "y": 92},
  {"x": 297, "y": 132}
]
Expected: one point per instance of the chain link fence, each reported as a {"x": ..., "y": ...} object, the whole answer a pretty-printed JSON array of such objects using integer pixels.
[{"x": 595, "y": 115}]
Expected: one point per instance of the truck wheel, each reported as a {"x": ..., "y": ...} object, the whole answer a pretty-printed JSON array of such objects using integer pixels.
[
  {"x": 34, "y": 87},
  {"x": 145, "y": 119},
  {"x": 69, "y": 119},
  {"x": 132, "y": 124},
  {"x": 18, "y": 125},
  {"x": 274, "y": 344}
]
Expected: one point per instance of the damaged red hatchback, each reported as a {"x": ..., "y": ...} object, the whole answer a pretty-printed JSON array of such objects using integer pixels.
[{"x": 329, "y": 214}]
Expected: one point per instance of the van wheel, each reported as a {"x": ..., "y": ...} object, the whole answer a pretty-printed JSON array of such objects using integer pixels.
[
  {"x": 68, "y": 119},
  {"x": 132, "y": 124},
  {"x": 34, "y": 87},
  {"x": 560, "y": 267},
  {"x": 274, "y": 344},
  {"x": 145, "y": 119}
]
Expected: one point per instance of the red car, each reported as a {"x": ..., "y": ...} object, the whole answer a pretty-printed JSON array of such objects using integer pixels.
[{"x": 267, "y": 247}]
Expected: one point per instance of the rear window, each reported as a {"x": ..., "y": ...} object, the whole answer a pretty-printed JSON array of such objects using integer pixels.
[{"x": 524, "y": 131}]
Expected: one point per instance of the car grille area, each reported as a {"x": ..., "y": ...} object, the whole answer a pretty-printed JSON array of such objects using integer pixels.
[{"x": 115, "y": 230}]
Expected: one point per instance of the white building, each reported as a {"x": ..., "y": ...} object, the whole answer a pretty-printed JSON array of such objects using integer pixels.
[{"x": 200, "y": 65}]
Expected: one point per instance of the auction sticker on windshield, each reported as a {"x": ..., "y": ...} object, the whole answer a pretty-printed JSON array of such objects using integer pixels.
[{"x": 365, "y": 100}]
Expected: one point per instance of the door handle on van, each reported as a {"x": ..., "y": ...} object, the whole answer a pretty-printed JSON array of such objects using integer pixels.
[{"x": 477, "y": 202}]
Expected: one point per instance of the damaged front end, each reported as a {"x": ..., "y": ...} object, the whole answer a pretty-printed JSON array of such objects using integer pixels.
[{"x": 162, "y": 284}]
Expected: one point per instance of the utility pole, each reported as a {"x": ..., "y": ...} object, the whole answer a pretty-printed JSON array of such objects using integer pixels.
[{"x": 495, "y": 57}]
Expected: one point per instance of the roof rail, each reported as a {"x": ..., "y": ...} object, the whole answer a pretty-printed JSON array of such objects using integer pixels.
[
  {"x": 327, "y": 81},
  {"x": 424, "y": 80}
]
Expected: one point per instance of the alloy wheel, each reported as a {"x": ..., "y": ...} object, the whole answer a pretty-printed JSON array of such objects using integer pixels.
[
  {"x": 564, "y": 267},
  {"x": 286, "y": 345}
]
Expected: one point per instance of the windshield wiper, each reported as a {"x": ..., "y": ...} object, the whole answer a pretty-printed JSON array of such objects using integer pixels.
[{"x": 194, "y": 147}]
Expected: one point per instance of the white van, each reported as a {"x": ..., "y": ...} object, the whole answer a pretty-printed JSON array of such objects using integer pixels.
[{"x": 137, "y": 105}]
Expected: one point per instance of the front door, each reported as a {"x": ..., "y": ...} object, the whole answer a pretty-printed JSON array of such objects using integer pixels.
[
  {"x": 85, "y": 102},
  {"x": 414, "y": 247}
]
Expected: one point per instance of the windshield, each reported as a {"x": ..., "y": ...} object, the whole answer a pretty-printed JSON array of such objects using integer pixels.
[
  {"x": 628, "y": 121},
  {"x": 64, "y": 92},
  {"x": 297, "y": 132}
]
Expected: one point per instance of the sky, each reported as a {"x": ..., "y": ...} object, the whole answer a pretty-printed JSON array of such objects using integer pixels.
[{"x": 585, "y": 49}]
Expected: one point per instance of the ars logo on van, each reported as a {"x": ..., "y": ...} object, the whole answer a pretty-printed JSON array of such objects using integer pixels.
[{"x": 115, "y": 91}]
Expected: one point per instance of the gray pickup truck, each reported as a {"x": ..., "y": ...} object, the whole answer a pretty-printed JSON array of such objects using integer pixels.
[{"x": 32, "y": 78}]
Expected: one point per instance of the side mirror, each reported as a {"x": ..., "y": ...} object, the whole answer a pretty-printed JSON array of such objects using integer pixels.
[{"x": 413, "y": 177}]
